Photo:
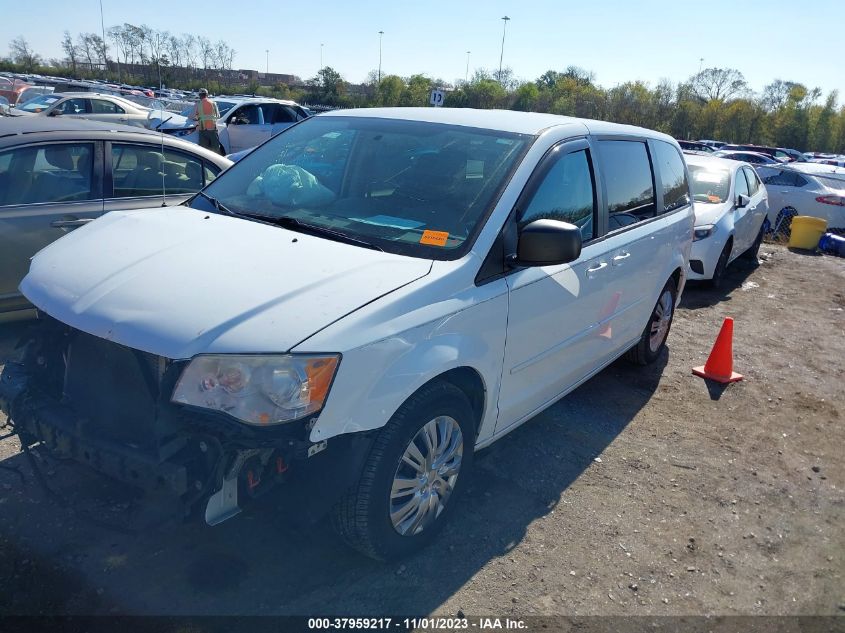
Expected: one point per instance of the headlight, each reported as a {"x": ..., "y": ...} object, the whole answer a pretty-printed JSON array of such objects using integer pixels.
[
  {"x": 258, "y": 389},
  {"x": 702, "y": 232}
]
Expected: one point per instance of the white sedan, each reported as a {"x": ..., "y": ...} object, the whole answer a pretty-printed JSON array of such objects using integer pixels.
[
  {"x": 806, "y": 189},
  {"x": 251, "y": 121},
  {"x": 730, "y": 212}
]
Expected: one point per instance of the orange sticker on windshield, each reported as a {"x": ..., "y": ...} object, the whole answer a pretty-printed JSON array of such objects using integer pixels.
[{"x": 434, "y": 238}]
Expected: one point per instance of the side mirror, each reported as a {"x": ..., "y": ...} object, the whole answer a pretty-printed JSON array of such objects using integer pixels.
[
  {"x": 548, "y": 242},
  {"x": 742, "y": 201}
]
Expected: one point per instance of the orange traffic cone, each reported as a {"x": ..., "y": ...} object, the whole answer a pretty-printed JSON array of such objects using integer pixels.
[{"x": 719, "y": 365}]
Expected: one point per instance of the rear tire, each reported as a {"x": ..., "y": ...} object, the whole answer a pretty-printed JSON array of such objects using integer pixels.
[
  {"x": 408, "y": 489},
  {"x": 656, "y": 331}
]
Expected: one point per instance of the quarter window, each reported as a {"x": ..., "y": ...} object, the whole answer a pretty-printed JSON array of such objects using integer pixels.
[
  {"x": 786, "y": 178},
  {"x": 753, "y": 181},
  {"x": 145, "y": 171},
  {"x": 673, "y": 176},
  {"x": 50, "y": 173},
  {"x": 567, "y": 193},
  {"x": 626, "y": 170}
]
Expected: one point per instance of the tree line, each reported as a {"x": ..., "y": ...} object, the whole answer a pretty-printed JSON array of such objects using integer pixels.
[{"x": 715, "y": 103}]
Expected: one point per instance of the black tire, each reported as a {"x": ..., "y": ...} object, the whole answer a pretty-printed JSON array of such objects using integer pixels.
[
  {"x": 718, "y": 277},
  {"x": 751, "y": 254},
  {"x": 646, "y": 351},
  {"x": 362, "y": 516}
]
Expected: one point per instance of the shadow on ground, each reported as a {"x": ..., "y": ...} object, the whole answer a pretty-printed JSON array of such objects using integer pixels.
[
  {"x": 700, "y": 294},
  {"x": 60, "y": 557}
]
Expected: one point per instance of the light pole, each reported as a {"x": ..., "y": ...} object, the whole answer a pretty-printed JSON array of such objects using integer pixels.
[
  {"x": 267, "y": 69},
  {"x": 700, "y": 62},
  {"x": 321, "y": 56},
  {"x": 502, "y": 54},
  {"x": 380, "y": 34},
  {"x": 103, "y": 26},
  {"x": 466, "y": 76}
]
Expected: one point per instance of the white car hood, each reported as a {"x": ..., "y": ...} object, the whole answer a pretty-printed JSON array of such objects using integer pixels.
[
  {"x": 707, "y": 213},
  {"x": 178, "y": 282}
]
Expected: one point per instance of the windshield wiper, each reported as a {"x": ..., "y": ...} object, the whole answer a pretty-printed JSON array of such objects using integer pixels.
[
  {"x": 219, "y": 206},
  {"x": 313, "y": 229}
]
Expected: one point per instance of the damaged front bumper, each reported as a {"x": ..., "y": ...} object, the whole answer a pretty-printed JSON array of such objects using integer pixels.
[{"x": 128, "y": 430}]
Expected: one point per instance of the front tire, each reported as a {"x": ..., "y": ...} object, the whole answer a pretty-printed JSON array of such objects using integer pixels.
[
  {"x": 721, "y": 268},
  {"x": 751, "y": 254},
  {"x": 656, "y": 331},
  {"x": 416, "y": 470}
]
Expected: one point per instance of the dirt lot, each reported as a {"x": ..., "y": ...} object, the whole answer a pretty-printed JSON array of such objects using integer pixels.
[{"x": 646, "y": 491}]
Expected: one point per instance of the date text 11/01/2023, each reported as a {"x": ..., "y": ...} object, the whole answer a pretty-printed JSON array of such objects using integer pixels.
[{"x": 412, "y": 624}]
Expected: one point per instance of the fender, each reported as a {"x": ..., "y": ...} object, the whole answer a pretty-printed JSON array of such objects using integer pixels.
[{"x": 361, "y": 401}]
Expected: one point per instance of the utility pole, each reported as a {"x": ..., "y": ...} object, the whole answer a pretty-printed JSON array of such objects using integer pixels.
[
  {"x": 321, "y": 56},
  {"x": 700, "y": 62},
  {"x": 502, "y": 54},
  {"x": 466, "y": 76},
  {"x": 103, "y": 27},
  {"x": 267, "y": 71},
  {"x": 380, "y": 34}
]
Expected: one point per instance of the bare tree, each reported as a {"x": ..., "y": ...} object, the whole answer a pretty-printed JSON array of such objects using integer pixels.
[
  {"x": 71, "y": 51},
  {"x": 23, "y": 54},
  {"x": 206, "y": 53},
  {"x": 718, "y": 84}
]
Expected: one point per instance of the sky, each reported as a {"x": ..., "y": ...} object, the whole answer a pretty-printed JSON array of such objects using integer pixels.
[{"x": 618, "y": 40}]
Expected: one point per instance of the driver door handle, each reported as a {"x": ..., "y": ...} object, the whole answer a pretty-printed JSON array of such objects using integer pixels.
[{"x": 592, "y": 270}]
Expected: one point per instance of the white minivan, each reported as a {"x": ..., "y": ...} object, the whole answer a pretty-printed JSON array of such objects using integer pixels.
[{"x": 352, "y": 310}]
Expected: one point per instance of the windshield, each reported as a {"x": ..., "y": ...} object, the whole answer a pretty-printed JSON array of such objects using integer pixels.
[
  {"x": 409, "y": 187},
  {"x": 709, "y": 185},
  {"x": 38, "y": 103}
]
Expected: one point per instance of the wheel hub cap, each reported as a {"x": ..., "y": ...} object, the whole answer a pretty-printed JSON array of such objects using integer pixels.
[{"x": 426, "y": 475}]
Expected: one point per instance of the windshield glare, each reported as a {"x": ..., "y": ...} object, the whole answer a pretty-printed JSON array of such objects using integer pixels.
[
  {"x": 709, "y": 185},
  {"x": 409, "y": 187},
  {"x": 38, "y": 103}
]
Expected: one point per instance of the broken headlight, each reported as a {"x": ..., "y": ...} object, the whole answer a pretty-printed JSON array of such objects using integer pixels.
[{"x": 258, "y": 389}]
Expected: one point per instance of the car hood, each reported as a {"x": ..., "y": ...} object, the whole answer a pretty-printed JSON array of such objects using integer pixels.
[
  {"x": 178, "y": 282},
  {"x": 171, "y": 120},
  {"x": 708, "y": 213}
]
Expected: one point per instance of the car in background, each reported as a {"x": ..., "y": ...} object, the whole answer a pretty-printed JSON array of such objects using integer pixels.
[
  {"x": 696, "y": 146},
  {"x": 800, "y": 192},
  {"x": 755, "y": 158},
  {"x": 731, "y": 209},
  {"x": 450, "y": 274},
  {"x": 106, "y": 108},
  {"x": 251, "y": 121},
  {"x": 712, "y": 143},
  {"x": 11, "y": 88},
  {"x": 223, "y": 106},
  {"x": 838, "y": 161},
  {"x": 778, "y": 153},
  {"x": 57, "y": 174}
]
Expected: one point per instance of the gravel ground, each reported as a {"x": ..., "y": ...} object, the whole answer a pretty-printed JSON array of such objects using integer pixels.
[{"x": 644, "y": 492}]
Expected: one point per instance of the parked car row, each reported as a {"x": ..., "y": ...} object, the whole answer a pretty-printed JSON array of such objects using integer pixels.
[
  {"x": 355, "y": 307},
  {"x": 57, "y": 174}
]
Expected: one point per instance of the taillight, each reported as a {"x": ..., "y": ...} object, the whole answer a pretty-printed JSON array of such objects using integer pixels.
[{"x": 839, "y": 201}]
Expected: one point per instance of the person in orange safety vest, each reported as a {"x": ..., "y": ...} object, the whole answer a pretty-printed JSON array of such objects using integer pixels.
[{"x": 206, "y": 115}]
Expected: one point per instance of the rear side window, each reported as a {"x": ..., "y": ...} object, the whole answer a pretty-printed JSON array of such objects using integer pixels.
[
  {"x": 786, "y": 178},
  {"x": 101, "y": 106},
  {"x": 673, "y": 175},
  {"x": 626, "y": 169},
  {"x": 567, "y": 194}
]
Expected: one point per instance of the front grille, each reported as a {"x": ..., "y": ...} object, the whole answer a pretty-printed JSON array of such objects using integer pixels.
[{"x": 113, "y": 389}]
